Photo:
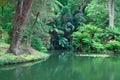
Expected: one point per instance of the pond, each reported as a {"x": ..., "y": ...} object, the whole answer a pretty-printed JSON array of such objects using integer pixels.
[{"x": 65, "y": 66}]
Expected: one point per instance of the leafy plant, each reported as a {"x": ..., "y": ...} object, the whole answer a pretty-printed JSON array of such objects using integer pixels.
[
  {"x": 81, "y": 39},
  {"x": 63, "y": 42},
  {"x": 115, "y": 32},
  {"x": 91, "y": 29},
  {"x": 86, "y": 36},
  {"x": 98, "y": 46},
  {"x": 38, "y": 45},
  {"x": 78, "y": 36},
  {"x": 113, "y": 46}
]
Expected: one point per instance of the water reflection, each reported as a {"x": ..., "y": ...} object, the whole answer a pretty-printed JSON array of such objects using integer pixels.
[{"x": 67, "y": 67}]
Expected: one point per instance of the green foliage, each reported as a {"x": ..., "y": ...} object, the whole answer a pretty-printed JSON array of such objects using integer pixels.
[
  {"x": 64, "y": 18},
  {"x": 86, "y": 37},
  {"x": 63, "y": 42},
  {"x": 90, "y": 35},
  {"x": 58, "y": 40},
  {"x": 117, "y": 11},
  {"x": 34, "y": 39},
  {"x": 97, "y": 13},
  {"x": 115, "y": 32},
  {"x": 38, "y": 45},
  {"x": 79, "y": 37},
  {"x": 67, "y": 22},
  {"x": 110, "y": 34},
  {"x": 79, "y": 19},
  {"x": 64, "y": 2},
  {"x": 113, "y": 46},
  {"x": 65, "y": 9},
  {"x": 3, "y": 35},
  {"x": 75, "y": 5},
  {"x": 98, "y": 46},
  {"x": 90, "y": 29},
  {"x": 6, "y": 19}
]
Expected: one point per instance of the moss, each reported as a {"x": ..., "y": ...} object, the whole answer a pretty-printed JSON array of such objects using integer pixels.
[{"x": 7, "y": 58}]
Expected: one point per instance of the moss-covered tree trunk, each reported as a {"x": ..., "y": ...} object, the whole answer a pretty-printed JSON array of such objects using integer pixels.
[{"x": 20, "y": 20}]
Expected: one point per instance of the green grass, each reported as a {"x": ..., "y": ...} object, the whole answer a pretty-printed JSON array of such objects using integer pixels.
[{"x": 8, "y": 58}]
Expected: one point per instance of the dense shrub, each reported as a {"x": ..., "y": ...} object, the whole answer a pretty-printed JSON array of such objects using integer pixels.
[
  {"x": 85, "y": 35},
  {"x": 96, "y": 39},
  {"x": 113, "y": 46}
]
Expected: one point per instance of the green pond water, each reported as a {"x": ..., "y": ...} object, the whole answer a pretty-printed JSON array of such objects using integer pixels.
[{"x": 65, "y": 66}]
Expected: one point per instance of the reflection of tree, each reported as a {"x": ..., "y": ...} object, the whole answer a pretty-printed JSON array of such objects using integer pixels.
[
  {"x": 55, "y": 68},
  {"x": 66, "y": 67},
  {"x": 17, "y": 73},
  {"x": 23, "y": 73}
]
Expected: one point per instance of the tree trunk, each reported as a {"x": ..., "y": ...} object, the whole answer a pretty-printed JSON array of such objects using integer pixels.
[
  {"x": 20, "y": 20},
  {"x": 84, "y": 4},
  {"x": 29, "y": 49},
  {"x": 111, "y": 13}
]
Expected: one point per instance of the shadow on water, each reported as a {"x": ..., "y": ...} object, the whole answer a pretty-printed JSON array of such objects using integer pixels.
[{"x": 65, "y": 66}]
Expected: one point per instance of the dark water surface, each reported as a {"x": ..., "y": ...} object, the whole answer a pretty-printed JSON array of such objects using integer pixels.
[{"x": 65, "y": 67}]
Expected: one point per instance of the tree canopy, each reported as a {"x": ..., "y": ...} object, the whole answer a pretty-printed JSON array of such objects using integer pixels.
[{"x": 54, "y": 24}]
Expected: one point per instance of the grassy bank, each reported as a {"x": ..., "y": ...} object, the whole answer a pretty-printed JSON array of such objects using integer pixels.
[{"x": 7, "y": 58}]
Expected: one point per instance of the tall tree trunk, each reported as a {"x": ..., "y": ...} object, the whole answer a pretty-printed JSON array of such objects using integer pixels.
[
  {"x": 20, "y": 20},
  {"x": 111, "y": 13}
]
